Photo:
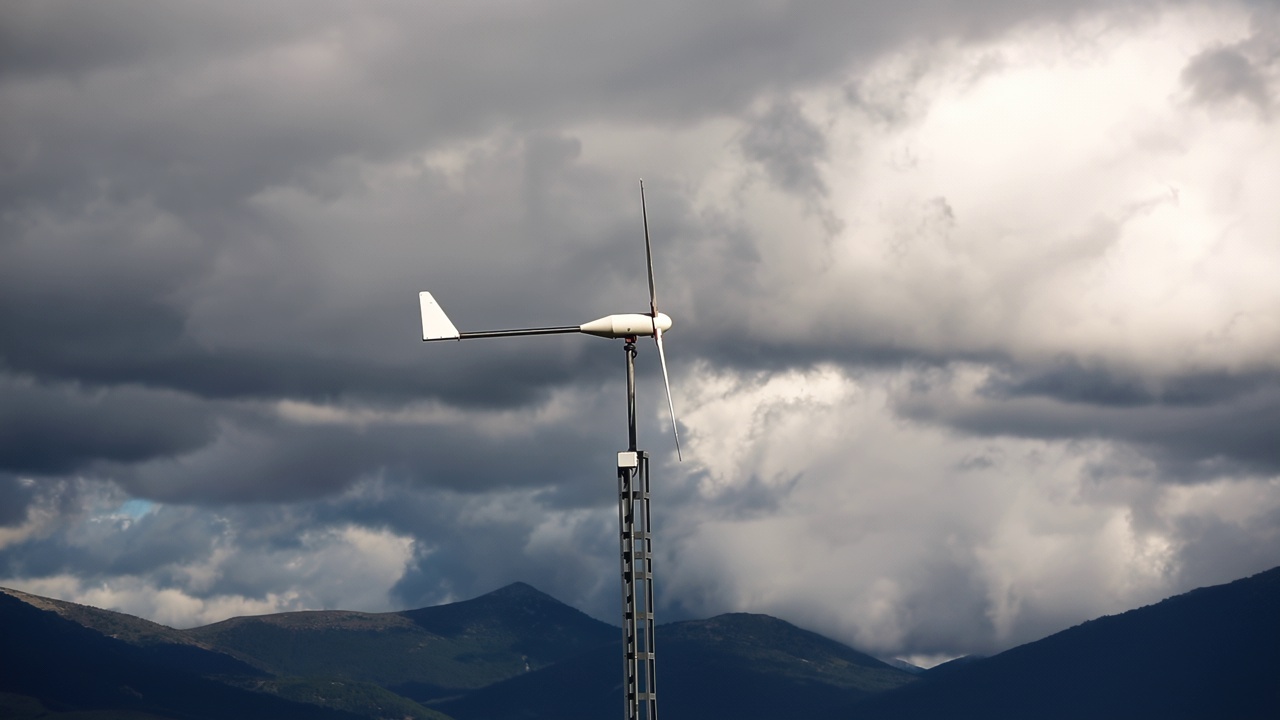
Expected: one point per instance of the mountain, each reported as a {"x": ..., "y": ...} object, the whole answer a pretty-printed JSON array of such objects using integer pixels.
[
  {"x": 739, "y": 665},
  {"x": 904, "y": 665},
  {"x": 952, "y": 665},
  {"x": 1210, "y": 653},
  {"x": 518, "y": 653},
  {"x": 129, "y": 628},
  {"x": 422, "y": 654},
  {"x": 368, "y": 664},
  {"x": 51, "y": 663},
  {"x": 514, "y": 648}
]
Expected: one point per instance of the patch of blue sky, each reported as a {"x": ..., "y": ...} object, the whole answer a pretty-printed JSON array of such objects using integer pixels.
[{"x": 135, "y": 508}]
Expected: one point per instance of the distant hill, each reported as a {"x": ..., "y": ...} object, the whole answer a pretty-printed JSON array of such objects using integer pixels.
[
  {"x": 951, "y": 665},
  {"x": 739, "y": 666},
  {"x": 422, "y": 654},
  {"x": 518, "y": 653},
  {"x": 904, "y": 665},
  {"x": 1210, "y": 653},
  {"x": 55, "y": 663},
  {"x": 129, "y": 628}
]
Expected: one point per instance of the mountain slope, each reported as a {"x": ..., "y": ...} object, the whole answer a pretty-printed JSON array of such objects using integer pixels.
[
  {"x": 422, "y": 654},
  {"x": 69, "y": 667},
  {"x": 129, "y": 628},
  {"x": 535, "y": 624},
  {"x": 1214, "y": 652},
  {"x": 1210, "y": 653},
  {"x": 161, "y": 643},
  {"x": 740, "y": 665}
]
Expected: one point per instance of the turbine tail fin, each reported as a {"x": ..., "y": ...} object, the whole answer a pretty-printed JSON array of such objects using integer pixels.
[{"x": 435, "y": 324}]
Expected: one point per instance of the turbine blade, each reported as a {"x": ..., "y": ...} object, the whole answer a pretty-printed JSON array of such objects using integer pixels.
[
  {"x": 648, "y": 255},
  {"x": 662, "y": 357}
]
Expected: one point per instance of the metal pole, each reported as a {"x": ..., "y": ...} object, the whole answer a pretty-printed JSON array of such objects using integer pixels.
[
  {"x": 635, "y": 538},
  {"x": 631, "y": 393}
]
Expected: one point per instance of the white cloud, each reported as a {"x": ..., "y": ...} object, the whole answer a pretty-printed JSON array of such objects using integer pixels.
[
  {"x": 1050, "y": 194},
  {"x": 1025, "y": 195},
  {"x": 348, "y": 567},
  {"x": 899, "y": 536}
]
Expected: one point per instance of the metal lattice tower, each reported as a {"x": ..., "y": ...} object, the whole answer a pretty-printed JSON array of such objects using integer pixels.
[{"x": 636, "y": 543}]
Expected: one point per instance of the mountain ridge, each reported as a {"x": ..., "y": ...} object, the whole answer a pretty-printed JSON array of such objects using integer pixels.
[
  {"x": 109, "y": 622},
  {"x": 705, "y": 670},
  {"x": 1210, "y": 652},
  {"x": 66, "y": 666},
  {"x": 425, "y": 653},
  {"x": 519, "y": 653}
]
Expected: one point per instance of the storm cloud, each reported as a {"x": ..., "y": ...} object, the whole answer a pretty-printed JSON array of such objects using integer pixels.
[{"x": 976, "y": 329}]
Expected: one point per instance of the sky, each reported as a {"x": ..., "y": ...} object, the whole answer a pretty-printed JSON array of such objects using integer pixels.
[{"x": 976, "y": 328}]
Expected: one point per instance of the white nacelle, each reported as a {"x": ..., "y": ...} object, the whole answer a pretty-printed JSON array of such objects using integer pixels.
[{"x": 627, "y": 325}]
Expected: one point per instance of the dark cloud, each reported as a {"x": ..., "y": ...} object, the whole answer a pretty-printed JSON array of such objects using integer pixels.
[
  {"x": 1219, "y": 550},
  {"x": 1242, "y": 72},
  {"x": 259, "y": 455},
  {"x": 201, "y": 107},
  {"x": 1195, "y": 428},
  {"x": 1072, "y": 382},
  {"x": 40, "y": 38},
  {"x": 789, "y": 146},
  {"x": 99, "y": 548},
  {"x": 214, "y": 221},
  {"x": 142, "y": 243},
  {"x": 1225, "y": 74},
  {"x": 947, "y": 617},
  {"x": 266, "y": 314},
  {"x": 15, "y": 497},
  {"x": 52, "y": 429}
]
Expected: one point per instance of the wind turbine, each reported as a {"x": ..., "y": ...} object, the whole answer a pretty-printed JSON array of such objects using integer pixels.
[{"x": 636, "y": 536}]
